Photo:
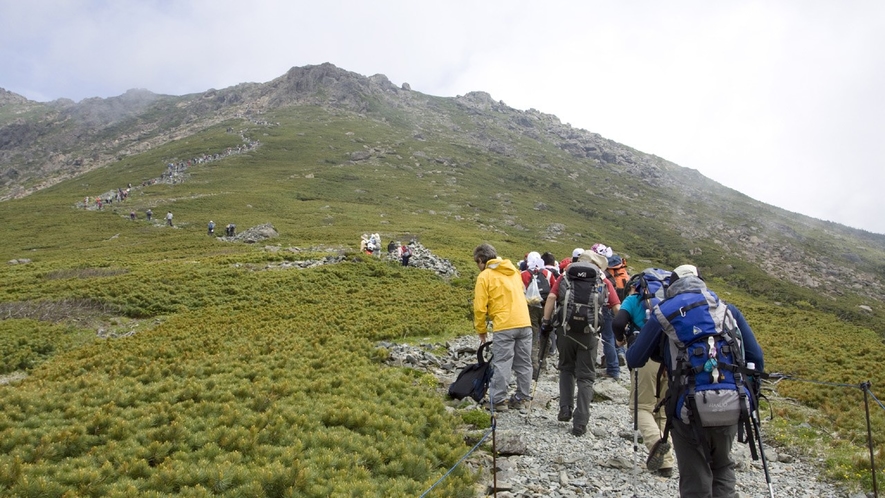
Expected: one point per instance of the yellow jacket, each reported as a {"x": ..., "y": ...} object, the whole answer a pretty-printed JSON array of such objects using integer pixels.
[{"x": 500, "y": 295}]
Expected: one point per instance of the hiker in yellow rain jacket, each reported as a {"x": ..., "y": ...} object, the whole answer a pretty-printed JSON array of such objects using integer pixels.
[{"x": 499, "y": 296}]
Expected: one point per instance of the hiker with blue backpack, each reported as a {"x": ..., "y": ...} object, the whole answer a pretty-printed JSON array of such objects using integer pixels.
[
  {"x": 646, "y": 390},
  {"x": 708, "y": 349},
  {"x": 499, "y": 296}
]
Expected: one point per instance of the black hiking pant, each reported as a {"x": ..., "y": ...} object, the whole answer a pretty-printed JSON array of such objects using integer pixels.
[{"x": 577, "y": 358}]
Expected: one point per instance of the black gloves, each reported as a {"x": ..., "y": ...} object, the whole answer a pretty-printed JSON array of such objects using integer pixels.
[{"x": 546, "y": 326}]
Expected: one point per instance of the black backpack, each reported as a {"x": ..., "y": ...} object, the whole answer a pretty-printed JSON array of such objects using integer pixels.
[
  {"x": 474, "y": 379},
  {"x": 543, "y": 283},
  {"x": 584, "y": 295}
]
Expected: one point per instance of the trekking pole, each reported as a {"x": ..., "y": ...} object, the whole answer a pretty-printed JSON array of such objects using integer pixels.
[
  {"x": 635, "y": 428},
  {"x": 754, "y": 417},
  {"x": 494, "y": 449},
  {"x": 866, "y": 387}
]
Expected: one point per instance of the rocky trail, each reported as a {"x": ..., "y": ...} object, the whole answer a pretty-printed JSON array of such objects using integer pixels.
[{"x": 539, "y": 457}]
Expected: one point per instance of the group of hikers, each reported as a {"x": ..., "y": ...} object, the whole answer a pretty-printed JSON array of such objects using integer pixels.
[
  {"x": 692, "y": 357},
  {"x": 371, "y": 245},
  {"x": 229, "y": 230}
]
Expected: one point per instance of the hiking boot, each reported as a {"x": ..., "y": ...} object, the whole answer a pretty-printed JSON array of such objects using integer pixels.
[
  {"x": 515, "y": 403},
  {"x": 565, "y": 414},
  {"x": 579, "y": 430},
  {"x": 666, "y": 472},
  {"x": 622, "y": 360},
  {"x": 656, "y": 455},
  {"x": 499, "y": 407}
]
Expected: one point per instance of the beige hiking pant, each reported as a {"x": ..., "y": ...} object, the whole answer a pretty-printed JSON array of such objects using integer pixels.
[{"x": 651, "y": 425}]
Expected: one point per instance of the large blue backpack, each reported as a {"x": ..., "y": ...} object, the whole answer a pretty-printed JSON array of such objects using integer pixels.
[{"x": 706, "y": 382}]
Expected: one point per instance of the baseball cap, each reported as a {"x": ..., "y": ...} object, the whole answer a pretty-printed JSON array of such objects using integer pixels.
[
  {"x": 686, "y": 270},
  {"x": 577, "y": 252}
]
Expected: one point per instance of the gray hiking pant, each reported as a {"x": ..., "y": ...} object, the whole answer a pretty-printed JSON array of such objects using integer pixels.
[
  {"x": 577, "y": 357},
  {"x": 697, "y": 478},
  {"x": 512, "y": 350}
]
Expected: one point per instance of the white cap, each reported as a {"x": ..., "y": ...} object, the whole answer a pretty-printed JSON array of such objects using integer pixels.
[
  {"x": 577, "y": 252},
  {"x": 686, "y": 270}
]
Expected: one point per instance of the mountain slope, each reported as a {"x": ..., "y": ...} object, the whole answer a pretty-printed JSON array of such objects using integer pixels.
[{"x": 217, "y": 329}]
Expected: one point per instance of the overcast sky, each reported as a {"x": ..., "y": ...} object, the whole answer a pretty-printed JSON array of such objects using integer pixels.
[{"x": 781, "y": 100}]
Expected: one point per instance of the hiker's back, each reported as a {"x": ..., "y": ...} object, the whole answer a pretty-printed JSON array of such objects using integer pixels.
[{"x": 584, "y": 295}]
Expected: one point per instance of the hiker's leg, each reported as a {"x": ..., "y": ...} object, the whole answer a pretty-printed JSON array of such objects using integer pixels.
[
  {"x": 502, "y": 360},
  {"x": 609, "y": 350},
  {"x": 567, "y": 350},
  {"x": 522, "y": 362},
  {"x": 585, "y": 375},
  {"x": 536, "y": 313},
  {"x": 721, "y": 440},
  {"x": 651, "y": 425},
  {"x": 695, "y": 476}
]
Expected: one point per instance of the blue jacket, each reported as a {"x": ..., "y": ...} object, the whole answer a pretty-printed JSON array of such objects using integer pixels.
[{"x": 648, "y": 344}]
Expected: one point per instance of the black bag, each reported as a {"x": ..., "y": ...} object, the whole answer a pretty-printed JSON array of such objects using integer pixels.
[{"x": 474, "y": 379}]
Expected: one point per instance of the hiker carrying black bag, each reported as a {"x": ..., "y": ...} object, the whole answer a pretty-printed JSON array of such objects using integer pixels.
[
  {"x": 707, "y": 345},
  {"x": 499, "y": 297}
]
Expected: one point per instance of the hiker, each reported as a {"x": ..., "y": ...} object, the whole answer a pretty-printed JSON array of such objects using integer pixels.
[
  {"x": 523, "y": 263},
  {"x": 149, "y": 214},
  {"x": 169, "y": 218},
  {"x": 364, "y": 243},
  {"x": 703, "y": 454},
  {"x": 580, "y": 296},
  {"x": 544, "y": 281},
  {"x": 391, "y": 248},
  {"x": 567, "y": 261},
  {"x": 551, "y": 265},
  {"x": 230, "y": 230},
  {"x": 499, "y": 297},
  {"x": 131, "y": 215},
  {"x": 612, "y": 357},
  {"x": 211, "y": 228},
  {"x": 405, "y": 254},
  {"x": 646, "y": 390}
]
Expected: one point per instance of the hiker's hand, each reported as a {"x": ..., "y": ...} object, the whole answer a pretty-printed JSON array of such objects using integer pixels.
[
  {"x": 483, "y": 338},
  {"x": 546, "y": 327}
]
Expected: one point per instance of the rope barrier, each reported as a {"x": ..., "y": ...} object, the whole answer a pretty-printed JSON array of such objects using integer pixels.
[{"x": 484, "y": 437}]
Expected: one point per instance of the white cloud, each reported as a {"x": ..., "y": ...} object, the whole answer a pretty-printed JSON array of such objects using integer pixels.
[{"x": 777, "y": 100}]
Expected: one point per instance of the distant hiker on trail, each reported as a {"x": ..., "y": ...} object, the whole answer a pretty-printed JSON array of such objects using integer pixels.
[
  {"x": 580, "y": 297},
  {"x": 149, "y": 214},
  {"x": 364, "y": 243},
  {"x": 543, "y": 280},
  {"x": 230, "y": 230},
  {"x": 211, "y": 228},
  {"x": 169, "y": 218},
  {"x": 499, "y": 297},
  {"x": 392, "y": 246},
  {"x": 646, "y": 389},
  {"x": 694, "y": 317},
  {"x": 405, "y": 254},
  {"x": 132, "y": 215}
]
